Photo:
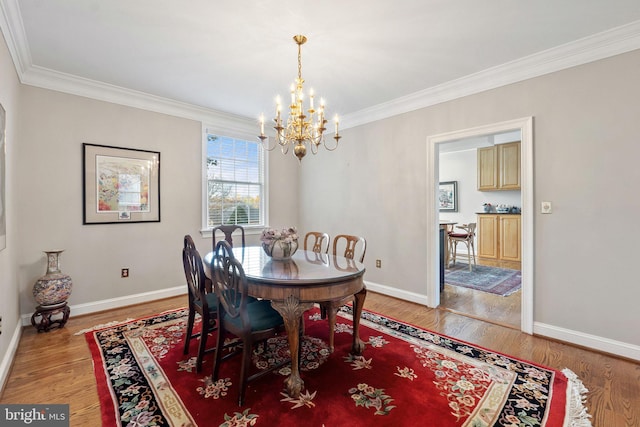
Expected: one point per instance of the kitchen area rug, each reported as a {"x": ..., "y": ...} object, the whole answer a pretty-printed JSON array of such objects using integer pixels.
[{"x": 498, "y": 281}]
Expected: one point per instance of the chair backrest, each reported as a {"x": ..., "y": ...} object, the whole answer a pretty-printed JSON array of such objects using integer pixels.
[
  {"x": 227, "y": 230},
  {"x": 320, "y": 242},
  {"x": 468, "y": 234},
  {"x": 471, "y": 229},
  {"x": 188, "y": 242},
  {"x": 351, "y": 246},
  {"x": 229, "y": 282},
  {"x": 194, "y": 273}
]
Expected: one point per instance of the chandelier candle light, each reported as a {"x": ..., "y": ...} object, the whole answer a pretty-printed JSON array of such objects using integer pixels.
[{"x": 300, "y": 130}]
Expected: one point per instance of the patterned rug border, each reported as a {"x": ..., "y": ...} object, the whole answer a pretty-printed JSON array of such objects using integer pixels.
[{"x": 121, "y": 322}]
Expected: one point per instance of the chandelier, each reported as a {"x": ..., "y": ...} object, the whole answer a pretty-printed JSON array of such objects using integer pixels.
[{"x": 303, "y": 127}]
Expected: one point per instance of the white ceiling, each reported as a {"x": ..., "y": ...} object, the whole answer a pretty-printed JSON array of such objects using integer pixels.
[{"x": 235, "y": 56}]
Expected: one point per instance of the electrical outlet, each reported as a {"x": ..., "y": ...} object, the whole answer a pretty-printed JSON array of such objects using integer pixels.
[
  {"x": 124, "y": 273},
  {"x": 379, "y": 263},
  {"x": 545, "y": 207}
]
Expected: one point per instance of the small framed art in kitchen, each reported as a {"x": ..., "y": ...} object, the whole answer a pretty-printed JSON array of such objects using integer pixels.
[
  {"x": 120, "y": 185},
  {"x": 448, "y": 196}
]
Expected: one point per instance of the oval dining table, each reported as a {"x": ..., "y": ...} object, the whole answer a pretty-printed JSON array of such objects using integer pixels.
[{"x": 294, "y": 286}]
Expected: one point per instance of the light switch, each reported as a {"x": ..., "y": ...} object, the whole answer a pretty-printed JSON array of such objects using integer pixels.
[{"x": 545, "y": 207}]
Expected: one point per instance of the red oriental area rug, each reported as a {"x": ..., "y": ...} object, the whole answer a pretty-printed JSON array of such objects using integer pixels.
[{"x": 406, "y": 376}]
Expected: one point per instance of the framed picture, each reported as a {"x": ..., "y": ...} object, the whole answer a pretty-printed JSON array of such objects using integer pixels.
[
  {"x": 448, "y": 196},
  {"x": 120, "y": 185}
]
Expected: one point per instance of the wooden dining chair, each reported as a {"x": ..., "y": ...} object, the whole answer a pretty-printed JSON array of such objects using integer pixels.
[
  {"x": 227, "y": 231},
  {"x": 466, "y": 236},
  {"x": 188, "y": 242},
  {"x": 320, "y": 242},
  {"x": 252, "y": 322},
  {"x": 200, "y": 301},
  {"x": 353, "y": 246}
]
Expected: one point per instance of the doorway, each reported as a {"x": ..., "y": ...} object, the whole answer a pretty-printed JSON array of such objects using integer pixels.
[
  {"x": 490, "y": 289},
  {"x": 434, "y": 145}
]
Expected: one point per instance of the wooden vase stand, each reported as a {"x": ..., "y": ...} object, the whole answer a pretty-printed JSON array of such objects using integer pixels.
[{"x": 47, "y": 317}]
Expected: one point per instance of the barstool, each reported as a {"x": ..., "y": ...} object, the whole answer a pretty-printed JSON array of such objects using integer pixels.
[{"x": 465, "y": 237}]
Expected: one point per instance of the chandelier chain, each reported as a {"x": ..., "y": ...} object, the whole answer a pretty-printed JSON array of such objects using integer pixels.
[{"x": 300, "y": 62}]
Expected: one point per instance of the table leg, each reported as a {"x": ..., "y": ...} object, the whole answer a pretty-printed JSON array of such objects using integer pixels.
[
  {"x": 444, "y": 233},
  {"x": 358, "y": 345},
  {"x": 291, "y": 309}
]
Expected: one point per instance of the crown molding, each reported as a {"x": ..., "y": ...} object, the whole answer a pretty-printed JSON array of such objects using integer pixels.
[
  {"x": 67, "y": 83},
  {"x": 598, "y": 46},
  {"x": 14, "y": 35}
]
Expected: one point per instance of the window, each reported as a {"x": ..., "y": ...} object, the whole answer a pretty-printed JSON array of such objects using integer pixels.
[{"x": 234, "y": 181}]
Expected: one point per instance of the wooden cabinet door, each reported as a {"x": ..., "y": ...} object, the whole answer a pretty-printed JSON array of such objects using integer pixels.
[
  {"x": 510, "y": 237},
  {"x": 488, "y": 236},
  {"x": 509, "y": 166},
  {"x": 487, "y": 168}
]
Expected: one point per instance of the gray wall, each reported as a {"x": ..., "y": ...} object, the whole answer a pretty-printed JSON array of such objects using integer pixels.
[
  {"x": 585, "y": 148},
  {"x": 53, "y": 126},
  {"x": 9, "y": 309}
]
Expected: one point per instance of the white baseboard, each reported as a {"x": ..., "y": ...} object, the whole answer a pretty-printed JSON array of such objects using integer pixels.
[
  {"x": 7, "y": 360},
  {"x": 594, "y": 342},
  {"x": 111, "y": 303},
  {"x": 397, "y": 293}
]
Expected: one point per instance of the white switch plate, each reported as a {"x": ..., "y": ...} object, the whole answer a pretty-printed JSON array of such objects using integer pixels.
[{"x": 545, "y": 207}]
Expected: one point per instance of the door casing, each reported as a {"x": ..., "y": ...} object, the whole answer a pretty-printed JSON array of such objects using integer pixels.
[{"x": 525, "y": 125}]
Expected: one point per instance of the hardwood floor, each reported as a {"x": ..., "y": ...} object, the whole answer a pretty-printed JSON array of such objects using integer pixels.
[
  {"x": 504, "y": 311},
  {"x": 56, "y": 367}
]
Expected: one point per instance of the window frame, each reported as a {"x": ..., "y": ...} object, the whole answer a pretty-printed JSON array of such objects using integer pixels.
[{"x": 245, "y": 133}]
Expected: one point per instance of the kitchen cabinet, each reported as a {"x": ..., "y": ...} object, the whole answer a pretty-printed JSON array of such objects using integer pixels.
[
  {"x": 499, "y": 240},
  {"x": 499, "y": 167}
]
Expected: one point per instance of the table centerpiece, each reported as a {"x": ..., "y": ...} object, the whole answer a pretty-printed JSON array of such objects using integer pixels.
[{"x": 280, "y": 245}]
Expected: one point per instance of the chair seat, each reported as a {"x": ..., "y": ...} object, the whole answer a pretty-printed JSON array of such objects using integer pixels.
[
  {"x": 459, "y": 235},
  {"x": 261, "y": 316},
  {"x": 212, "y": 301}
]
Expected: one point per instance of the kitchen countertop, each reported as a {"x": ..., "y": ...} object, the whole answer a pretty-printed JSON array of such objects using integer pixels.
[{"x": 498, "y": 213}]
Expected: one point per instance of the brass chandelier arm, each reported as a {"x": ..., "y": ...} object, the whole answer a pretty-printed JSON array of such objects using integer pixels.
[{"x": 337, "y": 138}]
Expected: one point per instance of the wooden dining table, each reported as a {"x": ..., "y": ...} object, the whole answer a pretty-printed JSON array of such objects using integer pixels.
[{"x": 294, "y": 286}]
